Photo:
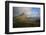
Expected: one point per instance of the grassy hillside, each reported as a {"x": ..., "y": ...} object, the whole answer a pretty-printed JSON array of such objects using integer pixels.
[{"x": 23, "y": 21}]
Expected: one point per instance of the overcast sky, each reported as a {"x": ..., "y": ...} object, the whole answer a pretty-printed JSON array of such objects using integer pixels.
[{"x": 28, "y": 11}]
